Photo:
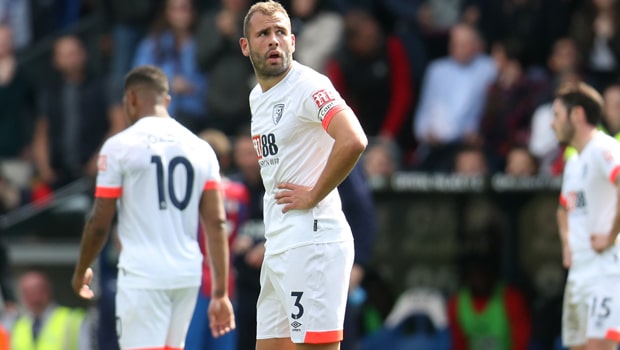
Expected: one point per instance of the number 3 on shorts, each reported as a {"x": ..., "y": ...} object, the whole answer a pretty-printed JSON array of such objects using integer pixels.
[{"x": 297, "y": 304}]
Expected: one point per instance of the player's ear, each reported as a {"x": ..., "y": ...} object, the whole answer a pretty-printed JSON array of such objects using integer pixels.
[
  {"x": 167, "y": 101},
  {"x": 293, "y": 42},
  {"x": 245, "y": 49}
]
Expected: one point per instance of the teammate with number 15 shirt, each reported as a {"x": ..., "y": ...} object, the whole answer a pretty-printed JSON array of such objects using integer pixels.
[
  {"x": 307, "y": 141},
  {"x": 161, "y": 177}
]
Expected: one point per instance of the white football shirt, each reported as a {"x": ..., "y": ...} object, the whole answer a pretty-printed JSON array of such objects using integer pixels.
[
  {"x": 589, "y": 194},
  {"x": 289, "y": 123},
  {"x": 158, "y": 170}
]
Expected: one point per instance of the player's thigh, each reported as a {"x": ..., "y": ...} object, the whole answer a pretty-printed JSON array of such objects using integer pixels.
[
  {"x": 603, "y": 309},
  {"x": 142, "y": 317},
  {"x": 271, "y": 315},
  {"x": 183, "y": 302},
  {"x": 315, "y": 286},
  {"x": 574, "y": 319},
  {"x": 330, "y": 346}
]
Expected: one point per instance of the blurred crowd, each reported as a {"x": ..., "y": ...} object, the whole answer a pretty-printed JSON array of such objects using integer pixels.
[{"x": 458, "y": 86}]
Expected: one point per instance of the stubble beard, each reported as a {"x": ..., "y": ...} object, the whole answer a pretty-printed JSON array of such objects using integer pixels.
[{"x": 266, "y": 71}]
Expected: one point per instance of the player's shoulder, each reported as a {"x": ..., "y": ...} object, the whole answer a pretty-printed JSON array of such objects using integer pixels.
[{"x": 308, "y": 78}]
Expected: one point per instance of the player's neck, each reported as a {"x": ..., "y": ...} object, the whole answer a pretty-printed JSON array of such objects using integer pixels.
[
  {"x": 583, "y": 138},
  {"x": 267, "y": 83},
  {"x": 155, "y": 111}
]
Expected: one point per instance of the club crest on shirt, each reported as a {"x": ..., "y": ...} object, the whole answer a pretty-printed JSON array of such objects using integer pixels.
[{"x": 277, "y": 113}]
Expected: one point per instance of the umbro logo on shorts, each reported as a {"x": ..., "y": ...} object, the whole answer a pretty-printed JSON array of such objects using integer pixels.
[{"x": 296, "y": 324}]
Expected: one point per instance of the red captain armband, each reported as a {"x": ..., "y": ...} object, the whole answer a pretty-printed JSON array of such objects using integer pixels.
[
  {"x": 108, "y": 192},
  {"x": 331, "y": 113},
  {"x": 211, "y": 185}
]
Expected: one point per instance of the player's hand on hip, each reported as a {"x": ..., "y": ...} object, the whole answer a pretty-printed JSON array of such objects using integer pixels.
[
  {"x": 294, "y": 197},
  {"x": 221, "y": 316},
  {"x": 81, "y": 283},
  {"x": 600, "y": 242}
]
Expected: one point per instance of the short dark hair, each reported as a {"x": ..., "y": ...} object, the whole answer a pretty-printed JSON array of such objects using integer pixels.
[
  {"x": 580, "y": 94},
  {"x": 149, "y": 76},
  {"x": 267, "y": 8}
]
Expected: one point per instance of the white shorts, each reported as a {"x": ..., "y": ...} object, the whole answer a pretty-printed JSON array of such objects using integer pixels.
[
  {"x": 304, "y": 293},
  {"x": 590, "y": 316},
  {"x": 154, "y": 318}
]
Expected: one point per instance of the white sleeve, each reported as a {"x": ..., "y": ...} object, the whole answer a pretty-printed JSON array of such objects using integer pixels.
[
  {"x": 608, "y": 159},
  {"x": 321, "y": 102},
  {"x": 109, "y": 170}
]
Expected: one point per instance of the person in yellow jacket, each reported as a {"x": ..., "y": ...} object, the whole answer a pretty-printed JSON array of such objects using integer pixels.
[{"x": 45, "y": 325}]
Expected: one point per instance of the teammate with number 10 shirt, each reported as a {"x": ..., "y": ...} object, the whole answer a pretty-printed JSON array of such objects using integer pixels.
[
  {"x": 161, "y": 177},
  {"x": 307, "y": 141}
]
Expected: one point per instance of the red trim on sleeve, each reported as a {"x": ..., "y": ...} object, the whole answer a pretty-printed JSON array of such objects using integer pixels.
[
  {"x": 108, "y": 192},
  {"x": 330, "y": 115},
  {"x": 211, "y": 185},
  {"x": 563, "y": 201},
  {"x": 323, "y": 337},
  {"x": 614, "y": 174}
]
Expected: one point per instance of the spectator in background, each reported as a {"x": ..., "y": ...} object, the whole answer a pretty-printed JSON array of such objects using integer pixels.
[
  {"x": 249, "y": 247},
  {"x": 371, "y": 72},
  {"x": 381, "y": 159},
  {"x": 595, "y": 27},
  {"x": 17, "y": 97},
  {"x": 452, "y": 100},
  {"x": 521, "y": 163},
  {"x": 409, "y": 28},
  {"x": 563, "y": 65},
  {"x": 535, "y": 23},
  {"x": 230, "y": 75},
  {"x": 45, "y": 324},
  {"x": 510, "y": 102},
  {"x": 563, "y": 59},
  {"x": 171, "y": 46},
  {"x": 470, "y": 161},
  {"x": 16, "y": 15},
  {"x": 318, "y": 32},
  {"x": 611, "y": 110},
  {"x": 236, "y": 201},
  {"x": 74, "y": 119},
  {"x": 128, "y": 22},
  {"x": 486, "y": 313}
]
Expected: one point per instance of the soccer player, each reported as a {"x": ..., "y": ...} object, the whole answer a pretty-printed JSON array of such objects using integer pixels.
[
  {"x": 161, "y": 176},
  {"x": 588, "y": 219},
  {"x": 307, "y": 140}
]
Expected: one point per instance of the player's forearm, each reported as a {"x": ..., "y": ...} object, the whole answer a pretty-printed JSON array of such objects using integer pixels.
[
  {"x": 562, "y": 220},
  {"x": 616, "y": 223},
  {"x": 217, "y": 246},
  {"x": 94, "y": 237},
  {"x": 342, "y": 159}
]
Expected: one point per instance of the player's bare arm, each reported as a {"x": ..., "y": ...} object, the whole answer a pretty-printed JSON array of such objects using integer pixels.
[
  {"x": 562, "y": 220},
  {"x": 349, "y": 143},
  {"x": 94, "y": 237},
  {"x": 221, "y": 316},
  {"x": 601, "y": 242}
]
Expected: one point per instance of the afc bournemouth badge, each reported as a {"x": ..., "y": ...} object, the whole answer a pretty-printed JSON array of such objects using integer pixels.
[{"x": 277, "y": 113}]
